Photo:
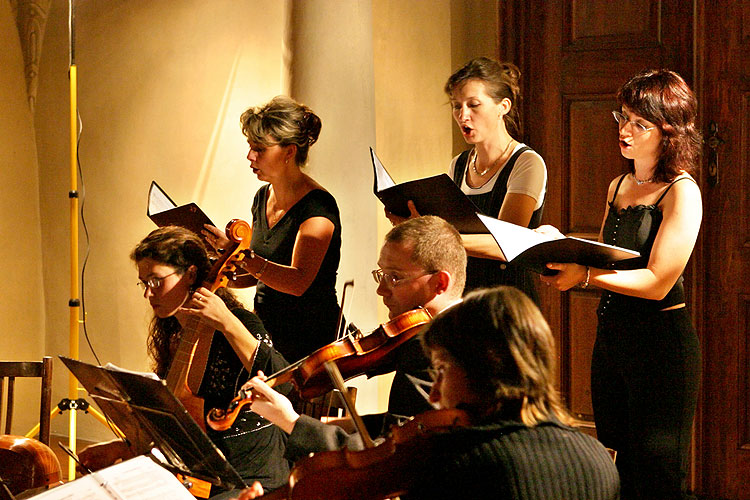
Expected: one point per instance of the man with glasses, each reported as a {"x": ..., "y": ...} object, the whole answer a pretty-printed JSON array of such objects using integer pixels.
[{"x": 422, "y": 264}]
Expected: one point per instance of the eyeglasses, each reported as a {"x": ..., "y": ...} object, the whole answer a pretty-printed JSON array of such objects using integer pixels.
[
  {"x": 392, "y": 279},
  {"x": 153, "y": 282},
  {"x": 436, "y": 373},
  {"x": 638, "y": 128}
]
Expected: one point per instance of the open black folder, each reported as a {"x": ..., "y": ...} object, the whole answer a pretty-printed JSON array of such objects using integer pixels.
[
  {"x": 436, "y": 195},
  {"x": 534, "y": 250},
  {"x": 165, "y": 212},
  {"x": 150, "y": 416}
]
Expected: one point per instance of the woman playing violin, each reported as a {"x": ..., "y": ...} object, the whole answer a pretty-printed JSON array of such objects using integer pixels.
[
  {"x": 296, "y": 239},
  {"x": 493, "y": 356},
  {"x": 172, "y": 264}
]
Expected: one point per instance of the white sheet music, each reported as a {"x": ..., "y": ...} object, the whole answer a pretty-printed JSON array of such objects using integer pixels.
[
  {"x": 158, "y": 201},
  {"x": 135, "y": 479},
  {"x": 383, "y": 180}
]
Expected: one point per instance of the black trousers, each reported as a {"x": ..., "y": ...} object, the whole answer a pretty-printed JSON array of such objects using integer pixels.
[{"x": 645, "y": 376}]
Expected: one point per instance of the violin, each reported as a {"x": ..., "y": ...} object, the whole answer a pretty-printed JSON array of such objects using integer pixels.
[
  {"x": 26, "y": 463},
  {"x": 388, "y": 470},
  {"x": 354, "y": 354},
  {"x": 189, "y": 363}
]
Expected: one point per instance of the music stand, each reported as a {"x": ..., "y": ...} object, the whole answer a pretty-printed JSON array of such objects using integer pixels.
[{"x": 151, "y": 417}]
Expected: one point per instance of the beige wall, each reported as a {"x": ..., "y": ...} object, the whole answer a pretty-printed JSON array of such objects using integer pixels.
[
  {"x": 161, "y": 86},
  {"x": 22, "y": 305}
]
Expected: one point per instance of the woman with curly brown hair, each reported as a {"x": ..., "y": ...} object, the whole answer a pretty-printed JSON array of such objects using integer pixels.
[
  {"x": 172, "y": 265},
  {"x": 296, "y": 239},
  {"x": 646, "y": 365}
]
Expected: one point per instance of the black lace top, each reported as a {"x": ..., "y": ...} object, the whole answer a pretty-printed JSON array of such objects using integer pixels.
[{"x": 635, "y": 228}]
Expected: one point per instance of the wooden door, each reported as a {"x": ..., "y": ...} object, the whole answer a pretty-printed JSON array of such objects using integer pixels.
[
  {"x": 574, "y": 55},
  {"x": 724, "y": 430}
]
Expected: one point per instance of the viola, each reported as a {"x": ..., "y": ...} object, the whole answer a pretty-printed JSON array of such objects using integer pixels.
[
  {"x": 26, "y": 463},
  {"x": 354, "y": 354},
  {"x": 388, "y": 470},
  {"x": 189, "y": 364}
]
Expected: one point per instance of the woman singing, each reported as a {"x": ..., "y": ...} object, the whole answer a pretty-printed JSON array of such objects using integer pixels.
[
  {"x": 503, "y": 177},
  {"x": 296, "y": 239},
  {"x": 646, "y": 365}
]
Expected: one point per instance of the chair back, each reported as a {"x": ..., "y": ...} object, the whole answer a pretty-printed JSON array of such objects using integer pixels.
[{"x": 9, "y": 371}]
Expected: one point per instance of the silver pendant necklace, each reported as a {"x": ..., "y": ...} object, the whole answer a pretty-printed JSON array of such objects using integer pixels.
[{"x": 641, "y": 182}]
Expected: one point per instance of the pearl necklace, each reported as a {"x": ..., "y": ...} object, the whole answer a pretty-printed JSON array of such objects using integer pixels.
[
  {"x": 492, "y": 165},
  {"x": 641, "y": 182}
]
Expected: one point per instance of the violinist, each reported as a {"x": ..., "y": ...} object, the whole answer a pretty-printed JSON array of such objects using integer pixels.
[
  {"x": 422, "y": 264},
  {"x": 172, "y": 263},
  {"x": 493, "y": 356}
]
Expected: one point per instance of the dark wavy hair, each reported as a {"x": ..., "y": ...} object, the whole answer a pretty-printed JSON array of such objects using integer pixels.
[
  {"x": 501, "y": 80},
  {"x": 500, "y": 339},
  {"x": 178, "y": 248},
  {"x": 282, "y": 121},
  {"x": 662, "y": 97}
]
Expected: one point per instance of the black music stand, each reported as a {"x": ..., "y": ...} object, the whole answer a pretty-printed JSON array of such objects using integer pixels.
[{"x": 151, "y": 417}]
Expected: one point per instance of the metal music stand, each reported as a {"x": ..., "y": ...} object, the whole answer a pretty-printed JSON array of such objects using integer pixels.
[{"x": 151, "y": 417}]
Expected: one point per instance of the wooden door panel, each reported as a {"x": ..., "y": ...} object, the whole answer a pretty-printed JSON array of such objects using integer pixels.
[
  {"x": 582, "y": 328},
  {"x": 591, "y": 161},
  {"x": 597, "y": 25}
]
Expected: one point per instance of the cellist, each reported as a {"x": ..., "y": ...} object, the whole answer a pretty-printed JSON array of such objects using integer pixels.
[
  {"x": 422, "y": 264},
  {"x": 172, "y": 264}
]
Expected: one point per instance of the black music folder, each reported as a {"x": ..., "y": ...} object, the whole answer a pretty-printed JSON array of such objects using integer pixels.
[
  {"x": 534, "y": 250},
  {"x": 165, "y": 212},
  {"x": 436, "y": 195},
  {"x": 150, "y": 416}
]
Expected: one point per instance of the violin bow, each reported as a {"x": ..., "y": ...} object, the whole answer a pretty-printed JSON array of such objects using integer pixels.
[{"x": 338, "y": 383}]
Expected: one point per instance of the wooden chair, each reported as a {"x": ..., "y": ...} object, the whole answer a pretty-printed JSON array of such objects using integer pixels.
[
  {"x": 10, "y": 370},
  {"x": 26, "y": 464}
]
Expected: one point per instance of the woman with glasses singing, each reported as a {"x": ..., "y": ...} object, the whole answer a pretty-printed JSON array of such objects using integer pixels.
[
  {"x": 296, "y": 239},
  {"x": 172, "y": 264},
  {"x": 502, "y": 176},
  {"x": 646, "y": 366}
]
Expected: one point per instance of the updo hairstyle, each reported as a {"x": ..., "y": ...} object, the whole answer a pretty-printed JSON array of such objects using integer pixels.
[{"x": 282, "y": 121}]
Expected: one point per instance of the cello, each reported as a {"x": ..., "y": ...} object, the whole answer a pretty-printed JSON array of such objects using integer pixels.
[
  {"x": 25, "y": 464},
  {"x": 189, "y": 363},
  {"x": 354, "y": 354}
]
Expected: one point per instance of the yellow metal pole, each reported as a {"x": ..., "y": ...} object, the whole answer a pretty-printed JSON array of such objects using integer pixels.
[{"x": 74, "y": 302}]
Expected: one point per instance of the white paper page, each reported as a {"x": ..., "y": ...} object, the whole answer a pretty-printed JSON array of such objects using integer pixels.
[
  {"x": 135, "y": 479},
  {"x": 383, "y": 179},
  {"x": 158, "y": 201},
  {"x": 512, "y": 239}
]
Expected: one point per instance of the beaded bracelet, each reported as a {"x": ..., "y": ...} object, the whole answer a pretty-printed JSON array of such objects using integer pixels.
[{"x": 585, "y": 282}]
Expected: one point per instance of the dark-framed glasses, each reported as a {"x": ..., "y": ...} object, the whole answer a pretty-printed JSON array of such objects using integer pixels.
[
  {"x": 394, "y": 279},
  {"x": 637, "y": 127},
  {"x": 153, "y": 282}
]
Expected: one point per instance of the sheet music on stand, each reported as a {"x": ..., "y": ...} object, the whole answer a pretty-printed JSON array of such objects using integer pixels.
[
  {"x": 139, "y": 478},
  {"x": 151, "y": 417}
]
